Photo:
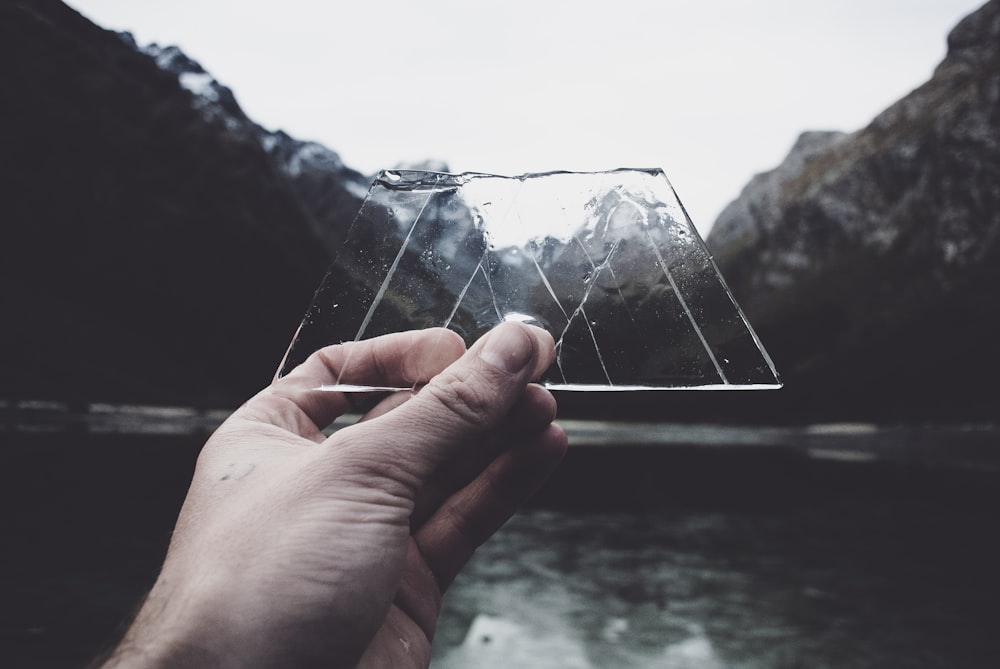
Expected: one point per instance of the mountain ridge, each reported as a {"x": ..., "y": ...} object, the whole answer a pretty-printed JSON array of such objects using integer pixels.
[
  {"x": 873, "y": 254},
  {"x": 159, "y": 246}
]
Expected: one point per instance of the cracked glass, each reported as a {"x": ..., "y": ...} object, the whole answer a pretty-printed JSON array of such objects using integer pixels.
[{"x": 608, "y": 262}]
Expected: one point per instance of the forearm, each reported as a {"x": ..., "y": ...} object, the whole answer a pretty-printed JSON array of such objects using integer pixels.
[
  {"x": 156, "y": 638},
  {"x": 213, "y": 627}
]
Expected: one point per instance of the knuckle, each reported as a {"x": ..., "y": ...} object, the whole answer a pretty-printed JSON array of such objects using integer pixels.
[
  {"x": 472, "y": 404},
  {"x": 328, "y": 358},
  {"x": 377, "y": 363}
]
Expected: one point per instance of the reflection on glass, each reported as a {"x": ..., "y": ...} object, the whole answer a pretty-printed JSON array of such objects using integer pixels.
[{"x": 608, "y": 263}]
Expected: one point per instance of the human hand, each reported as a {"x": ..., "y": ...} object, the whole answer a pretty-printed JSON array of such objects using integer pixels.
[{"x": 297, "y": 550}]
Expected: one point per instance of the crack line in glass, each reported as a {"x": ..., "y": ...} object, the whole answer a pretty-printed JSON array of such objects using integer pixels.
[
  {"x": 597, "y": 349},
  {"x": 595, "y": 272},
  {"x": 465, "y": 289},
  {"x": 614, "y": 247},
  {"x": 493, "y": 294},
  {"x": 545, "y": 281},
  {"x": 548, "y": 286},
  {"x": 385, "y": 284},
  {"x": 687, "y": 310},
  {"x": 606, "y": 263},
  {"x": 482, "y": 259}
]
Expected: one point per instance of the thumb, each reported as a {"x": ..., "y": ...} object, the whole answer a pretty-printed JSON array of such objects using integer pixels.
[{"x": 469, "y": 399}]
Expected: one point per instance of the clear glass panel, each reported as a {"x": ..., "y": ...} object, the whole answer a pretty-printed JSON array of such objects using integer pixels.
[{"x": 608, "y": 262}]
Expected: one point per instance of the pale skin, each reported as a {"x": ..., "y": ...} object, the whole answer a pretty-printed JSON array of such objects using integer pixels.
[{"x": 297, "y": 550}]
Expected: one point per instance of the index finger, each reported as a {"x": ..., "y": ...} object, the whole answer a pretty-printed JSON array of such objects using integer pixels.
[{"x": 297, "y": 402}]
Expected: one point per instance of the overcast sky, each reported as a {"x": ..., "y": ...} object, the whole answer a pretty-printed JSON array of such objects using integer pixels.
[{"x": 712, "y": 92}]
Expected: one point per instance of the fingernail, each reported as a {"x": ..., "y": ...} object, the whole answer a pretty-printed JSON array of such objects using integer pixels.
[{"x": 508, "y": 347}]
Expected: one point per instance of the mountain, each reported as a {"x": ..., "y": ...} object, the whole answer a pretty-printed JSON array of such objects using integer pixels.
[
  {"x": 328, "y": 190},
  {"x": 157, "y": 245},
  {"x": 869, "y": 262}
]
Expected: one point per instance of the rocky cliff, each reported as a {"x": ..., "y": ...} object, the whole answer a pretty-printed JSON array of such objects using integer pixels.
[
  {"x": 869, "y": 262},
  {"x": 157, "y": 245}
]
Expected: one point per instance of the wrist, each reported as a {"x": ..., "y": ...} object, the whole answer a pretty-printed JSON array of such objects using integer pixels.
[
  {"x": 170, "y": 631},
  {"x": 160, "y": 653}
]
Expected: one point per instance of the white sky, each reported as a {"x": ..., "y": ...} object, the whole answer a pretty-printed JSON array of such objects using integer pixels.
[{"x": 711, "y": 91}]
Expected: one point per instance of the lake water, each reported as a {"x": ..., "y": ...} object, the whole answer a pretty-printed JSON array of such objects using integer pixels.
[
  {"x": 832, "y": 546},
  {"x": 816, "y": 587}
]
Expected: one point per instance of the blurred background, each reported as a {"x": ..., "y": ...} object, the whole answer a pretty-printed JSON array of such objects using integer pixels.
[{"x": 172, "y": 196}]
